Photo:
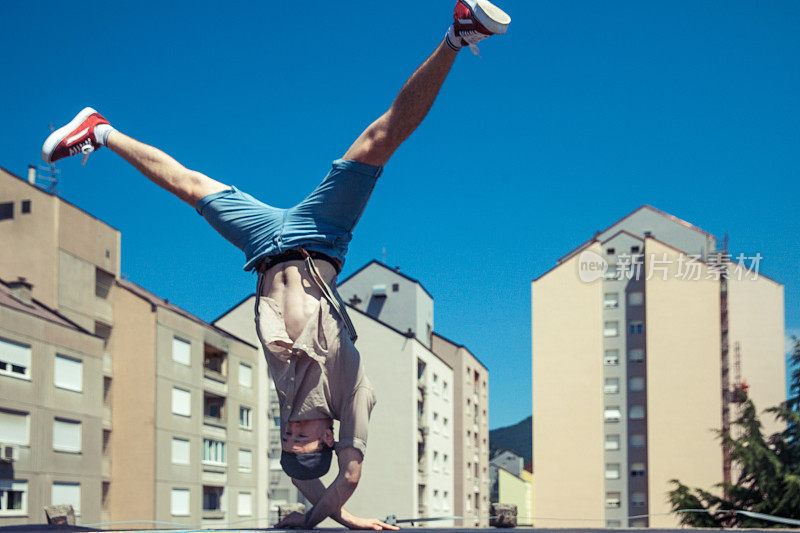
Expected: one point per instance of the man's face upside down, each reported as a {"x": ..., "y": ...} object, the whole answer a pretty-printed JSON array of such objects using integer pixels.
[{"x": 308, "y": 436}]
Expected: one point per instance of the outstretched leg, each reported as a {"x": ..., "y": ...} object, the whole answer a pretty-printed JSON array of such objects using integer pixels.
[
  {"x": 379, "y": 141},
  {"x": 473, "y": 21},
  {"x": 163, "y": 170}
]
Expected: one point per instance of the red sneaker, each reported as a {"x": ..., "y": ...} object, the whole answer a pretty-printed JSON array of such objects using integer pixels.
[
  {"x": 475, "y": 20},
  {"x": 75, "y": 138}
]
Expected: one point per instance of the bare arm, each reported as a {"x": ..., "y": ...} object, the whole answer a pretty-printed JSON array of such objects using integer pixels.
[{"x": 313, "y": 490}]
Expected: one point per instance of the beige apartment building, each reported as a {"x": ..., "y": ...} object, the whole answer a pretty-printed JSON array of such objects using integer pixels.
[
  {"x": 643, "y": 338},
  {"x": 51, "y": 411},
  {"x": 178, "y": 435},
  {"x": 471, "y": 414}
]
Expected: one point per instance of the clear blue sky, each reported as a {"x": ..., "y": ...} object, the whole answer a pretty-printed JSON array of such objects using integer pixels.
[{"x": 582, "y": 112}]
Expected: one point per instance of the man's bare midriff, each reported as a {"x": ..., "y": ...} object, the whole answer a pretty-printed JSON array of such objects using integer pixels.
[{"x": 291, "y": 286}]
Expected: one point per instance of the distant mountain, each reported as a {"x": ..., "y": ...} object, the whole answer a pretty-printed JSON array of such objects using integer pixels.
[{"x": 516, "y": 438}]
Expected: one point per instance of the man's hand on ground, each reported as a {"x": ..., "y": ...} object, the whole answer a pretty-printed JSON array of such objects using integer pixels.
[
  {"x": 354, "y": 522},
  {"x": 293, "y": 520}
]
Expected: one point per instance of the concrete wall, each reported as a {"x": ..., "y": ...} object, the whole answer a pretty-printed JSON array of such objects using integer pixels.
[
  {"x": 39, "y": 464},
  {"x": 756, "y": 324},
  {"x": 568, "y": 425},
  {"x": 683, "y": 380},
  {"x": 40, "y": 226}
]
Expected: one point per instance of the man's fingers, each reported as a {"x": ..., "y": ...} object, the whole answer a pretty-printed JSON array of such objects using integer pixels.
[{"x": 381, "y": 525}]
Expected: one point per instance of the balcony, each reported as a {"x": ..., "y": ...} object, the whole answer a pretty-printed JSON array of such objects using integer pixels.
[
  {"x": 214, "y": 412},
  {"x": 215, "y": 364}
]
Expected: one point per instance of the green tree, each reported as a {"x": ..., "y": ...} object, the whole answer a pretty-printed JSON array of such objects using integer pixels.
[{"x": 768, "y": 466}]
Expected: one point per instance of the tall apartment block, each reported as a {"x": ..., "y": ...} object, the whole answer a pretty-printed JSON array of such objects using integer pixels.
[
  {"x": 644, "y": 339},
  {"x": 471, "y": 414},
  {"x": 167, "y": 418},
  {"x": 401, "y": 302}
]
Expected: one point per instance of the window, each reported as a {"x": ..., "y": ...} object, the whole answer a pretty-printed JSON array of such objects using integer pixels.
[
  {"x": 612, "y": 442},
  {"x": 611, "y": 300},
  {"x": 66, "y": 494},
  {"x": 179, "y": 502},
  {"x": 637, "y": 440},
  {"x": 638, "y": 499},
  {"x": 181, "y": 402},
  {"x": 279, "y": 495},
  {"x": 636, "y": 328},
  {"x": 15, "y": 359},
  {"x": 275, "y": 477},
  {"x": 68, "y": 373},
  {"x": 26, "y": 206},
  {"x": 435, "y": 499},
  {"x": 395, "y": 287},
  {"x": 613, "y": 523},
  {"x": 245, "y": 376},
  {"x": 245, "y": 460},
  {"x": 635, "y": 249},
  {"x": 14, "y": 427},
  {"x": 445, "y": 502},
  {"x": 636, "y": 355},
  {"x": 611, "y": 328},
  {"x": 445, "y": 464},
  {"x": 436, "y": 384},
  {"x": 612, "y": 414},
  {"x": 637, "y": 384},
  {"x": 610, "y": 251},
  {"x": 637, "y": 412},
  {"x": 245, "y": 417},
  {"x": 215, "y": 360},
  {"x": 245, "y": 504},
  {"x": 612, "y": 470},
  {"x": 212, "y": 498},
  {"x": 13, "y": 497},
  {"x": 6, "y": 210},
  {"x": 181, "y": 351},
  {"x": 635, "y": 298},
  {"x": 435, "y": 461},
  {"x": 611, "y": 386},
  {"x": 435, "y": 422},
  {"x": 611, "y": 274},
  {"x": 445, "y": 428},
  {"x": 611, "y": 358},
  {"x": 444, "y": 390},
  {"x": 214, "y": 407},
  {"x": 66, "y": 435},
  {"x": 107, "y": 381},
  {"x": 103, "y": 281},
  {"x": 180, "y": 451},
  {"x": 637, "y": 470},
  {"x": 214, "y": 452},
  {"x": 613, "y": 500}
]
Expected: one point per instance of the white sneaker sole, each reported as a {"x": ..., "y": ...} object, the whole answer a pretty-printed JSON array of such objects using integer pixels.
[
  {"x": 492, "y": 17},
  {"x": 57, "y": 136}
]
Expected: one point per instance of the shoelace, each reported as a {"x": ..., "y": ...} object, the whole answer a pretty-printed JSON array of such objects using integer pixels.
[
  {"x": 86, "y": 150},
  {"x": 472, "y": 38}
]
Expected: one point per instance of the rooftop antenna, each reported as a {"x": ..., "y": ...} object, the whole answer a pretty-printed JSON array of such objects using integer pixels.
[
  {"x": 385, "y": 255},
  {"x": 49, "y": 175}
]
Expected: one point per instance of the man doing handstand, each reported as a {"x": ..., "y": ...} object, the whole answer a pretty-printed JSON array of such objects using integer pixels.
[{"x": 301, "y": 321}]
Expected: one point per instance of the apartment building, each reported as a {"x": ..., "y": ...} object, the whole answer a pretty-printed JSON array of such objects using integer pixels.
[
  {"x": 51, "y": 411},
  {"x": 410, "y": 466},
  {"x": 389, "y": 296},
  {"x": 644, "y": 338},
  {"x": 471, "y": 415},
  {"x": 179, "y": 392}
]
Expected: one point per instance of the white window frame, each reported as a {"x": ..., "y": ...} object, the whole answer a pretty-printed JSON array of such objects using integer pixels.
[
  {"x": 5, "y": 438},
  {"x": 611, "y": 300},
  {"x": 182, "y": 493},
  {"x": 179, "y": 347},
  {"x": 611, "y": 328},
  {"x": 212, "y": 450},
  {"x": 611, "y": 386},
  {"x": 58, "y": 377},
  {"x": 71, "y": 426},
  {"x": 611, "y": 357},
  {"x": 176, "y": 407},
  {"x": 245, "y": 417},
  {"x": 241, "y": 466},
  {"x": 12, "y": 354},
  {"x": 612, "y": 414},
  {"x": 612, "y": 471},
  {"x": 245, "y": 383},
  {"x": 244, "y": 496},
  {"x": 8, "y": 485},
  {"x": 184, "y": 443},
  {"x": 612, "y": 442},
  {"x": 613, "y": 500},
  {"x": 76, "y": 505}
]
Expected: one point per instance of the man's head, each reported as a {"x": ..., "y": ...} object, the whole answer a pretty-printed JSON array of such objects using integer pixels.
[{"x": 307, "y": 448}]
